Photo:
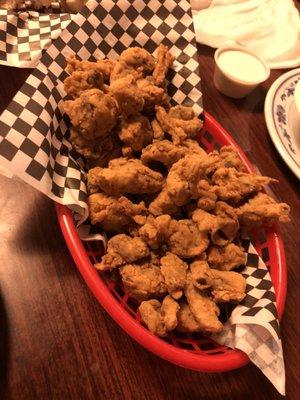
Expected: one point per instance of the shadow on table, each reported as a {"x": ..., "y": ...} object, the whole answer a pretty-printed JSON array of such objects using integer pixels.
[{"x": 4, "y": 347}]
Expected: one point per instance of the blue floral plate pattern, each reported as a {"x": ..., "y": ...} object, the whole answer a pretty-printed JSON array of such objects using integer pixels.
[{"x": 283, "y": 119}]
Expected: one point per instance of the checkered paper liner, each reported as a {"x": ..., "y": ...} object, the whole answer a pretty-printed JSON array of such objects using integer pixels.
[
  {"x": 253, "y": 326},
  {"x": 24, "y": 35},
  {"x": 33, "y": 130}
]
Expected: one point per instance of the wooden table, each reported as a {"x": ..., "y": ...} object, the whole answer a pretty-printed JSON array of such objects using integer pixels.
[{"x": 56, "y": 342}]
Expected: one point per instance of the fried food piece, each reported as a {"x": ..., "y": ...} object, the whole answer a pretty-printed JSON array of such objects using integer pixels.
[
  {"x": 228, "y": 224},
  {"x": 225, "y": 285},
  {"x": 180, "y": 122},
  {"x": 185, "y": 240},
  {"x": 143, "y": 282},
  {"x": 205, "y": 221},
  {"x": 121, "y": 70},
  {"x": 186, "y": 320},
  {"x": 233, "y": 186},
  {"x": 204, "y": 310},
  {"x": 226, "y": 258},
  {"x": 121, "y": 250},
  {"x": 174, "y": 272},
  {"x": 139, "y": 59},
  {"x": 155, "y": 231},
  {"x": 184, "y": 176},
  {"x": 163, "y": 204},
  {"x": 164, "y": 60},
  {"x": 262, "y": 210},
  {"x": 152, "y": 95},
  {"x": 136, "y": 132},
  {"x": 94, "y": 113},
  {"x": 97, "y": 149},
  {"x": 159, "y": 318},
  {"x": 150, "y": 311},
  {"x": 127, "y": 94},
  {"x": 79, "y": 81},
  {"x": 231, "y": 159},
  {"x": 207, "y": 198},
  {"x": 113, "y": 214},
  {"x": 124, "y": 176},
  {"x": 168, "y": 153},
  {"x": 158, "y": 133},
  {"x": 104, "y": 67}
]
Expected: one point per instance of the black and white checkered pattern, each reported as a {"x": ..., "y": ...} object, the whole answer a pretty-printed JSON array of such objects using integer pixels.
[
  {"x": 253, "y": 326},
  {"x": 34, "y": 143},
  {"x": 24, "y": 35}
]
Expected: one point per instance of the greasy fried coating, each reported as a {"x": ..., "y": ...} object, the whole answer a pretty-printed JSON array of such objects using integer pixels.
[
  {"x": 121, "y": 70},
  {"x": 136, "y": 132},
  {"x": 143, "y": 282},
  {"x": 225, "y": 286},
  {"x": 205, "y": 221},
  {"x": 163, "y": 204},
  {"x": 111, "y": 213},
  {"x": 230, "y": 158},
  {"x": 94, "y": 113},
  {"x": 80, "y": 81},
  {"x": 185, "y": 240},
  {"x": 226, "y": 258},
  {"x": 98, "y": 149},
  {"x": 180, "y": 122},
  {"x": 152, "y": 95},
  {"x": 233, "y": 186},
  {"x": 167, "y": 152},
  {"x": 174, "y": 272},
  {"x": 128, "y": 96},
  {"x": 159, "y": 318},
  {"x": 184, "y": 175},
  {"x": 139, "y": 59},
  {"x": 204, "y": 310},
  {"x": 186, "y": 320},
  {"x": 155, "y": 231},
  {"x": 124, "y": 176},
  {"x": 260, "y": 210},
  {"x": 121, "y": 250},
  {"x": 104, "y": 67},
  {"x": 207, "y": 198},
  {"x": 164, "y": 60},
  {"x": 228, "y": 224},
  {"x": 158, "y": 133}
]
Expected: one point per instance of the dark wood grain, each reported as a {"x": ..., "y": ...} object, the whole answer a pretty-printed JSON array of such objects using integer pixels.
[{"x": 56, "y": 342}]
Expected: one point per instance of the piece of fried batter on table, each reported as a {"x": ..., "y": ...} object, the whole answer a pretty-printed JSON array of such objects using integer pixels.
[
  {"x": 104, "y": 67},
  {"x": 136, "y": 132},
  {"x": 225, "y": 286},
  {"x": 79, "y": 81},
  {"x": 226, "y": 258},
  {"x": 262, "y": 210},
  {"x": 174, "y": 272},
  {"x": 143, "y": 282},
  {"x": 127, "y": 94},
  {"x": 168, "y": 153},
  {"x": 124, "y": 176},
  {"x": 113, "y": 214},
  {"x": 121, "y": 250},
  {"x": 180, "y": 122},
  {"x": 159, "y": 317},
  {"x": 234, "y": 186},
  {"x": 204, "y": 310},
  {"x": 94, "y": 113},
  {"x": 164, "y": 60}
]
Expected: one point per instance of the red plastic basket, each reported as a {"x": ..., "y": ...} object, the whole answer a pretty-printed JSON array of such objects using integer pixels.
[{"x": 191, "y": 351}]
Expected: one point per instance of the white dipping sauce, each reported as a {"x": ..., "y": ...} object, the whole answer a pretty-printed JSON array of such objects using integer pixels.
[{"x": 242, "y": 66}]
